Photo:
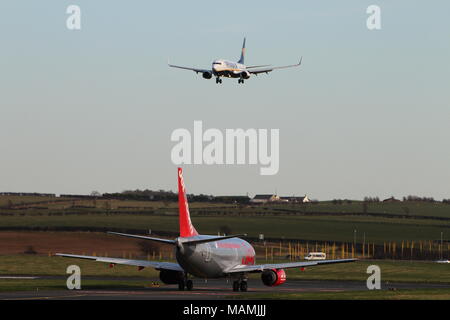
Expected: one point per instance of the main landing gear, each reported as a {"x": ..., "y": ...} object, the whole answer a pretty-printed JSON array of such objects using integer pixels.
[
  {"x": 218, "y": 80},
  {"x": 240, "y": 285},
  {"x": 185, "y": 283},
  {"x": 241, "y": 81}
]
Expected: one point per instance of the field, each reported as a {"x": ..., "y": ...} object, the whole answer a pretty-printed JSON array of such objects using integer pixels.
[
  {"x": 392, "y": 271},
  {"x": 129, "y": 278},
  {"x": 420, "y": 294},
  {"x": 400, "y": 230}
]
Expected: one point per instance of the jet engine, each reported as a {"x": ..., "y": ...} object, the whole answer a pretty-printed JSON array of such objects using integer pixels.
[
  {"x": 245, "y": 75},
  {"x": 274, "y": 277},
  {"x": 207, "y": 75},
  {"x": 170, "y": 277}
]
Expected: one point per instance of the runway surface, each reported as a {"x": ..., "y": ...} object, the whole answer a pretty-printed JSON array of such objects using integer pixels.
[{"x": 213, "y": 289}]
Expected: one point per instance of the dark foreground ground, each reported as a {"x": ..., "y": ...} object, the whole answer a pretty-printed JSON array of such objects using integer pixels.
[{"x": 219, "y": 289}]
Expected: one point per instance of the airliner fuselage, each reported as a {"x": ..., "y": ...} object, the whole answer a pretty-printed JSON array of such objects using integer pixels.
[
  {"x": 213, "y": 259},
  {"x": 229, "y": 69}
]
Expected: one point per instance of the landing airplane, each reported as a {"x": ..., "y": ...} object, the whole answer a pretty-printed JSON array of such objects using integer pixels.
[
  {"x": 206, "y": 256},
  {"x": 229, "y": 69}
]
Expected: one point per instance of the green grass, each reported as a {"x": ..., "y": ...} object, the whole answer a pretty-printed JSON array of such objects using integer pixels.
[
  {"x": 321, "y": 228},
  {"x": 392, "y": 271},
  {"x": 38, "y": 265},
  {"x": 409, "y": 294},
  {"x": 12, "y": 285},
  {"x": 429, "y": 209}
]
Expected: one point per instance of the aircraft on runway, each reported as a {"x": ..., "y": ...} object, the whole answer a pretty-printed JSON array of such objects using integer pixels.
[
  {"x": 206, "y": 256},
  {"x": 229, "y": 69}
]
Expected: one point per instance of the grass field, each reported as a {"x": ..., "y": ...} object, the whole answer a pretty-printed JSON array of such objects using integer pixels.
[
  {"x": 59, "y": 284},
  {"x": 323, "y": 221},
  {"x": 391, "y": 271},
  {"x": 414, "y": 294},
  {"x": 322, "y": 228},
  {"x": 11, "y": 285}
]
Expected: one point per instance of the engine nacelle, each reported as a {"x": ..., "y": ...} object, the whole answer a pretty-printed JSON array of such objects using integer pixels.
[
  {"x": 170, "y": 277},
  {"x": 245, "y": 75},
  {"x": 274, "y": 277},
  {"x": 207, "y": 75}
]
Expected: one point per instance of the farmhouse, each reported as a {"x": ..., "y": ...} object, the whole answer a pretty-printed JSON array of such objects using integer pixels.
[
  {"x": 294, "y": 199},
  {"x": 264, "y": 198}
]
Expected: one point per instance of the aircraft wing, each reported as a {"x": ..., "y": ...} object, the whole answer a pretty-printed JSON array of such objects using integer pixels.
[
  {"x": 269, "y": 69},
  {"x": 188, "y": 68},
  {"x": 138, "y": 263},
  {"x": 288, "y": 265}
]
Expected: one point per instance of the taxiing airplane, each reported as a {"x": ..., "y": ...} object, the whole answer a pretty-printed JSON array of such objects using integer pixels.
[
  {"x": 207, "y": 256},
  {"x": 229, "y": 69}
]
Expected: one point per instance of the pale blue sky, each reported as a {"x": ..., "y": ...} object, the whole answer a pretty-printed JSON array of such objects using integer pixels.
[{"x": 367, "y": 114}]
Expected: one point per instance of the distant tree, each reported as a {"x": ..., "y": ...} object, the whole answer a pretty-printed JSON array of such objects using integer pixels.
[
  {"x": 365, "y": 207},
  {"x": 96, "y": 194}
]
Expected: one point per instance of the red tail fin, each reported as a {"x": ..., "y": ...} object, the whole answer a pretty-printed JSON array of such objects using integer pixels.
[{"x": 186, "y": 227}]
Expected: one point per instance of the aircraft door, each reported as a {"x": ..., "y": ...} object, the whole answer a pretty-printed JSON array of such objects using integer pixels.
[{"x": 207, "y": 253}]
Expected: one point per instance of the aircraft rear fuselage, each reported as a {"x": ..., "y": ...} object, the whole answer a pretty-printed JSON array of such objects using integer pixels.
[{"x": 212, "y": 259}]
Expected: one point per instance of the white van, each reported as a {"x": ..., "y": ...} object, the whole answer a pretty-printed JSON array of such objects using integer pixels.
[{"x": 316, "y": 256}]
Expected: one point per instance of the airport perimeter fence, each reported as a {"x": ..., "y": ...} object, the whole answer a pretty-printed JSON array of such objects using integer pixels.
[
  {"x": 294, "y": 251},
  {"x": 404, "y": 250}
]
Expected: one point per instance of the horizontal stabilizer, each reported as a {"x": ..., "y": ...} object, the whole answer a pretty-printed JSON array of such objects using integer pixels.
[{"x": 213, "y": 239}]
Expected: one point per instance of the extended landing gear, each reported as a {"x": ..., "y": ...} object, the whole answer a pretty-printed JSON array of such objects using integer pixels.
[
  {"x": 218, "y": 80},
  {"x": 241, "y": 81},
  {"x": 240, "y": 285},
  {"x": 185, "y": 283}
]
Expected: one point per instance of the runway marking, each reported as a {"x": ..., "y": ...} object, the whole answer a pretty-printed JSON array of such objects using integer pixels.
[
  {"x": 47, "y": 298},
  {"x": 18, "y": 277}
]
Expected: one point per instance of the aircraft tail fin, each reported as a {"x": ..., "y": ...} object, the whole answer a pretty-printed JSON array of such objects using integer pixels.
[
  {"x": 241, "y": 60},
  {"x": 186, "y": 227}
]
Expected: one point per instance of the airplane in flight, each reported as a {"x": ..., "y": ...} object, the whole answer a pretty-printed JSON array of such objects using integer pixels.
[
  {"x": 207, "y": 256},
  {"x": 229, "y": 69}
]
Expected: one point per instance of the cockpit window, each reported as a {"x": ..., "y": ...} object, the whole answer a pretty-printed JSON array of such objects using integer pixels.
[{"x": 217, "y": 62}]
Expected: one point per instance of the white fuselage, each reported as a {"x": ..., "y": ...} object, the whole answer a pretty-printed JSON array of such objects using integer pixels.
[{"x": 229, "y": 69}]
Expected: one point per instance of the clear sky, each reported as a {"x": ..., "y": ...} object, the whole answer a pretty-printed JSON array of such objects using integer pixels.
[{"x": 367, "y": 114}]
